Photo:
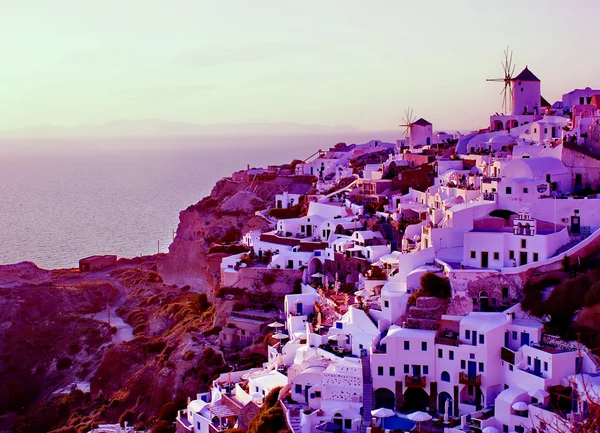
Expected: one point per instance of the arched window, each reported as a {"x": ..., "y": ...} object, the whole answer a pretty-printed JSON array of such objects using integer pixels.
[{"x": 445, "y": 376}]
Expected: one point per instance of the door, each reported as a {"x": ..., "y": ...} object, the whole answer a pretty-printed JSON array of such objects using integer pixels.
[
  {"x": 523, "y": 258},
  {"x": 575, "y": 224},
  {"x": 484, "y": 259},
  {"x": 472, "y": 369},
  {"x": 474, "y": 338},
  {"x": 506, "y": 334},
  {"x": 524, "y": 339},
  {"x": 308, "y": 230},
  {"x": 299, "y": 308},
  {"x": 537, "y": 366}
]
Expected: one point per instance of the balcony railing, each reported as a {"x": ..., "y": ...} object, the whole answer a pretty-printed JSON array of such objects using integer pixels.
[
  {"x": 415, "y": 382},
  {"x": 447, "y": 341},
  {"x": 507, "y": 355},
  {"x": 469, "y": 379}
]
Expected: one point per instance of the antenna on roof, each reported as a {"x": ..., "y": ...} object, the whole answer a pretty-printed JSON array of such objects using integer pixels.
[{"x": 509, "y": 70}]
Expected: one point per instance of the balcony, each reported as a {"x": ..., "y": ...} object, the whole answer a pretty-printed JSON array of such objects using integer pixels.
[
  {"x": 467, "y": 379},
  {"x": 415, "y": 382},
  {"x": 448, "y": 341},
  {"x": 507, "y": 355}
]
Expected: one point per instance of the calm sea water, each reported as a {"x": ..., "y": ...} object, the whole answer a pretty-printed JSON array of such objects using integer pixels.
[{"x": 61, "y": 200}]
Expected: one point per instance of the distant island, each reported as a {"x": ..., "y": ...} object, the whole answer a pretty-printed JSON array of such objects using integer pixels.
[{"x": 157, "y": 127}]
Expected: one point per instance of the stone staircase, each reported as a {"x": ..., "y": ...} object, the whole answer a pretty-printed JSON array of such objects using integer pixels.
[
  {"x": 367, "y": 391},
  {"x": 295, "y": 424},
  {"x": 426, "y": 313}
]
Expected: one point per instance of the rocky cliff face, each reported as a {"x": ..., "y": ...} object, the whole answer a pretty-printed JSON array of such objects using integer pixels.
[{"x": 221, "y": 218}]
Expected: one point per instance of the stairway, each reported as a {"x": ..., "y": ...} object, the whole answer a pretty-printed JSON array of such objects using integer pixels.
[
  {"x": 295, "y": 424},
  {"x": 367, "y": 391}
]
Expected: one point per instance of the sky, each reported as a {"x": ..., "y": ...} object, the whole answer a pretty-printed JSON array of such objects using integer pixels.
[{"x": 334, "y": 62}]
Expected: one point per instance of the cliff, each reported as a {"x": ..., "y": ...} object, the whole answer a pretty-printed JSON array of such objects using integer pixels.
[{"x": 220, "y": 219}]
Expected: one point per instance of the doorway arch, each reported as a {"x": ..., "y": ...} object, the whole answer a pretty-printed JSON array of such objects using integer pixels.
[
  {"x": 384, "y": 398},
  {"x": 415, "y": 399}
]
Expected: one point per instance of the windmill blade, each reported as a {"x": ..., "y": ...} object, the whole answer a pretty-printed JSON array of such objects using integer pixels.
[{"x": 499, "y": 80}]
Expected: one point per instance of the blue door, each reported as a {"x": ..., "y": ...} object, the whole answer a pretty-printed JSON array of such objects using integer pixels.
[
  {"x": 472, "y": 370},
  {"x": 474, "y": 338},
  {"x": 299, "y": 308},
  {"x": 506, "y": 334},
  {"x": 416, "y": 370},
  {"x": 537, "y": 366},
  {"x": 524, "y": 339}
]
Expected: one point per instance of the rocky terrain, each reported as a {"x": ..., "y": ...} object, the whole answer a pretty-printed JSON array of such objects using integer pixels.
[{"x": 65, "y": 368}]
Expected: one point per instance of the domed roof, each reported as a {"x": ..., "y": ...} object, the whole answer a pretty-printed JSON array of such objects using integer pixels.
[{"x": 502, "y": 139}]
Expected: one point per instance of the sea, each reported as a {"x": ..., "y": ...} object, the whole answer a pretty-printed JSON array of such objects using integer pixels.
[{"x": 64, "y": 199}]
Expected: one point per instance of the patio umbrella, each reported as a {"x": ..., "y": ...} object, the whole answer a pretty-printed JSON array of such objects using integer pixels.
[
  {"x": 275, "y": 325},
  {"x": 317, "y": 275},
  {"x": 329, "y": 426},
  {"x": 489, "y": 429},
  {"x": 419, "y": 417},
  {"x": 280, "y": 336},
  {"x": 539, "y": 394},
  {"x": 363, "y": 293},
  {"x": 520, "y": 406},
  {"x": 337, "y": 337},
  {"x": 382, "y": 412}
]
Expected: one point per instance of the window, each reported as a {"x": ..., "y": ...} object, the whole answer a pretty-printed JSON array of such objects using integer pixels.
[
  {"x": 523, "y": 243},
  {"x": 515, "y": 335},
  {"x": 298, "y": 388},
  {"x": 451, "y": 355},
  {"x": 392, "y": 371},
  {"x": 471, "y": 356},
  {"x": 445, "y": 376},
  {"x": 339, "y": 325},
  {"x": 406, "y": 368},
  {"x": 496, "y": 256},
  {"x": 463, "y": 364},
  {"x": 473, "y": 254},
  {"x": 440, "y": 353},
  {"x": 407, "y": 345},
  {"x": 535, "y": 130},
  {"x": 481, "y": 367},
  {"x": 317, "y": 394},
  {"x": 508, "y": 190},
  {"x": 467, "y": 334},
  {"x": 505, "y": 428},
  {"x": 380, "y": 371},
  {"x": 510, "y": 367},
  {"x": 525, "y": 190},
  {"x": 386, "y": 304},
  {"x": 545, "y": 366},
  {"x": 425, "y": 369},
  {"x": 481, "y": 339},
  {"x": 511, "y": 255},
  {"x": 535, "y": 257},
  {"x": 424, "y": 346},
  {"x": 348, "y": 423}
]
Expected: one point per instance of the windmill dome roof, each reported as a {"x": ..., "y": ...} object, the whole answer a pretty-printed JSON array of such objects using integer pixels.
[
  {"x": 421, "y": 122},
  {"x": 526, "y": 75}
]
